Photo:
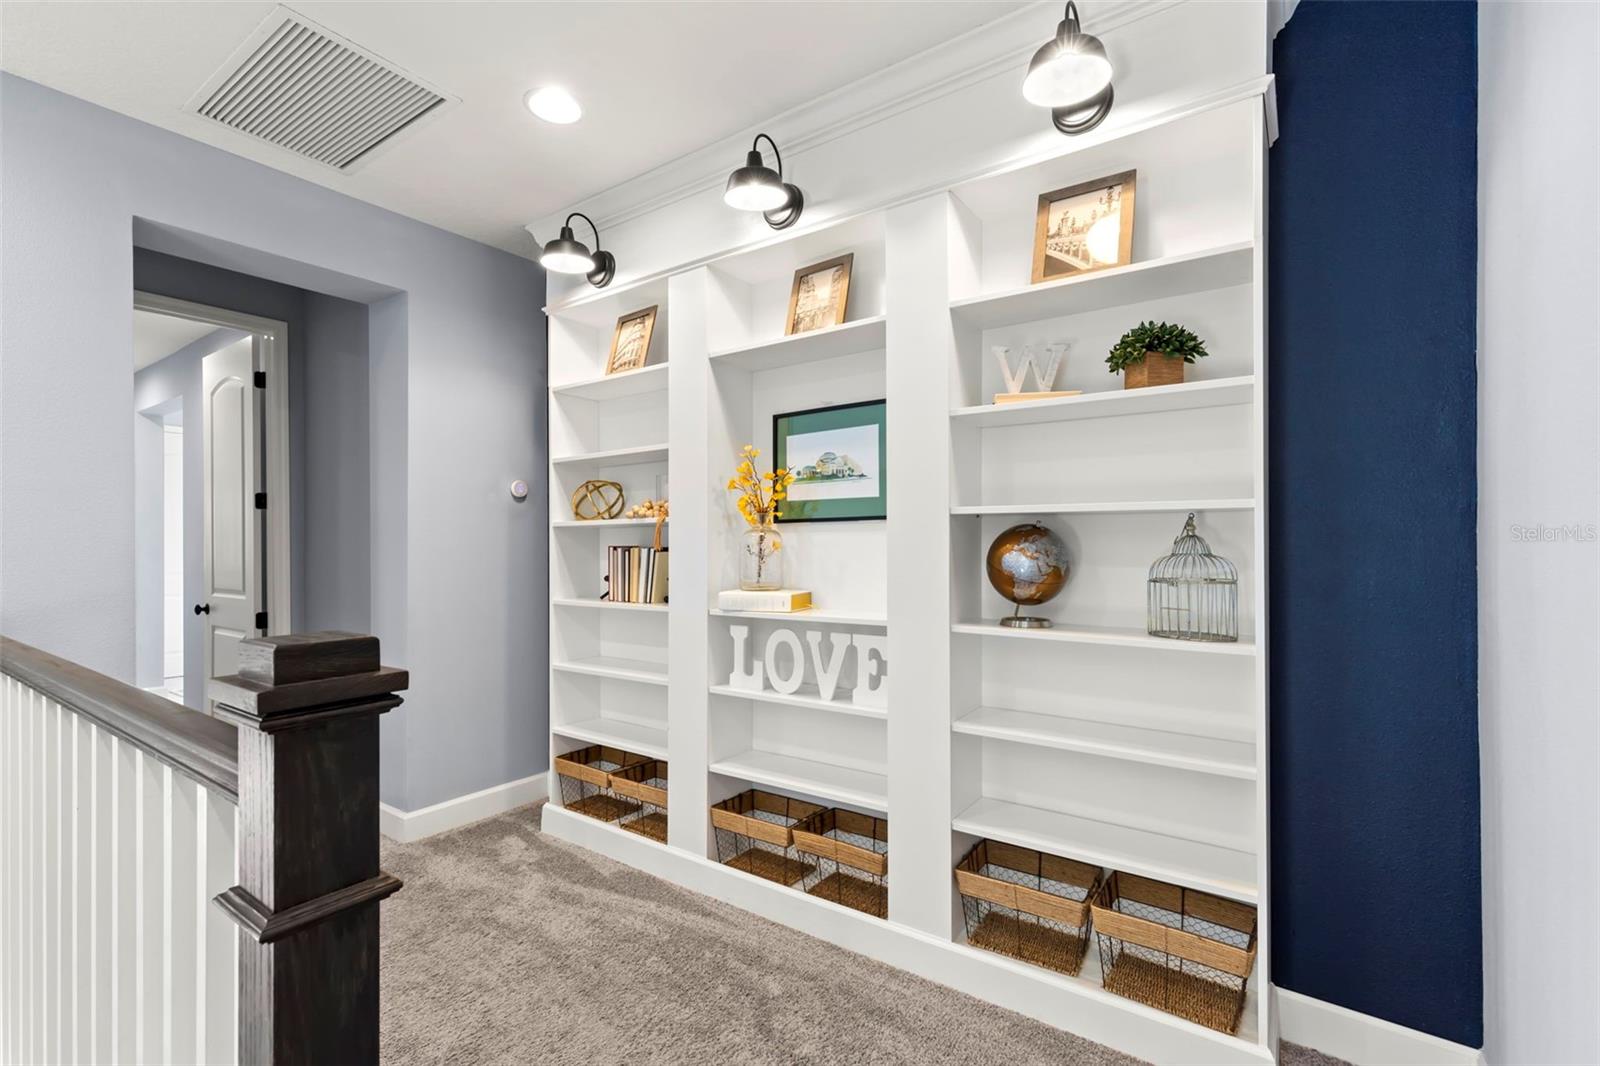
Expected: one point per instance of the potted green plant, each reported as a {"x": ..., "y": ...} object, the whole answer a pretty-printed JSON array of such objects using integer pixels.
[{"x": 1153, "y": 353}]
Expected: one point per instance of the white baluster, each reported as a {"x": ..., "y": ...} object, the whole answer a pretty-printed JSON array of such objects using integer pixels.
[
  {"x": 219, "y": 944},
  {"x": 124, "y": 903},
  {"x": 181, "y": 895}
]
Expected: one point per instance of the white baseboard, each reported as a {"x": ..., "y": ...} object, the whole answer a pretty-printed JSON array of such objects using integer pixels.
[
  {"x": 1361, "y": 1038},
  {"x": 406, "y": 826}
]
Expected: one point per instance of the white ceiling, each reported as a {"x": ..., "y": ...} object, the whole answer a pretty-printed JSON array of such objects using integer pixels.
[
  {"x": 656, "y": 81},
  {"x": 156, "y": 336}
]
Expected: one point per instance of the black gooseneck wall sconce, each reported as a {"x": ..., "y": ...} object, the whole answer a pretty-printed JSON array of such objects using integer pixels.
[
  {"x": 757, "y": 187},
  {"x": 1071, "y": 75},
  {"x": 568, "y": 255}
]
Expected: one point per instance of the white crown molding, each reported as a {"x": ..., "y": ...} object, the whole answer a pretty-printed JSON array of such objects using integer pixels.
[{"x": 985, "y": 52}]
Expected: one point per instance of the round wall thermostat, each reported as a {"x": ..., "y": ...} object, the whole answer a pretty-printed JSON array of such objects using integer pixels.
[{"x": 519, "y": 490}]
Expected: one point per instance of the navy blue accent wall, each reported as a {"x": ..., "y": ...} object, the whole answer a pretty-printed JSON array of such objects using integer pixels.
[{"x": 1373, "y": 333}]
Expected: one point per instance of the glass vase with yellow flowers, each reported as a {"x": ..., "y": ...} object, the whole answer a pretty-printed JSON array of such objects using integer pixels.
[{"x": 759, "y": 497}]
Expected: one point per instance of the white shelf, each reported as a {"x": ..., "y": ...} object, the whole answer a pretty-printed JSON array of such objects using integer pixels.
[
  {"x": 1126, "y": 507},
  {"x": 1195, "y": 864},
  {"x": 1175, "y": 275},
  {"x": 614, "y": 386},
  {"x": 1190, "y": 396},
  {"x": 806, "y": 696},
  {"x": 645, "y": 453},
  {"x": 604, "y": 523},
  {"x": 612, "y": 732},
  {"x": 811, "y": 614},
  {"x": 618, "y": 669},
  {"x": 847, "y": 338},
  {"x": 1158, "y": 747},
  {"x": 1113, "y": 635},
  {"x": 607, "y": 605},
  {"x": 857, "y": 788}
]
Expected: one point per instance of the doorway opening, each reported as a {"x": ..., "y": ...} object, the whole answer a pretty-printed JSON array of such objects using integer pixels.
[{"x": 211, "y": 480}]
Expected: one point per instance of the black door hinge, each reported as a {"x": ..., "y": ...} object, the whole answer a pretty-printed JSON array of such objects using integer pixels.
[
  {"x": 261, "y": 501},
  {"x": 261, "y": 620},
  {"x": 261, "y": 379}
]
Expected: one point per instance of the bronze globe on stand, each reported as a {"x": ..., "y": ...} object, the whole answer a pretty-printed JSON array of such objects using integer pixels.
[{"x": 1028, "y": 565}]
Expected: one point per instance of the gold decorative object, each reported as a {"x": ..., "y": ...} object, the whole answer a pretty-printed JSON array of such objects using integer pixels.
[
  {"x": 1028, "y": 565},
  {"x": 647, "y": 509},
  {"x": 595, "y": 500}
]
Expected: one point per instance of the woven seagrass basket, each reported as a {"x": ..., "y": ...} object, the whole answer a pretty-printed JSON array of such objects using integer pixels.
[
  {"x": 755, "y": 833},
  {"x": 1185, "y": 952},
  {"x": 585, "y": 777},
  {"x": 1027, "y": 904},
  {"x": 644, "y": 783},
  {"x": 852, "y": 853}
]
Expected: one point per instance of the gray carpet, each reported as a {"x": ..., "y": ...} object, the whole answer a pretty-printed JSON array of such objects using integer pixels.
[{"x": 507, "y": 946}]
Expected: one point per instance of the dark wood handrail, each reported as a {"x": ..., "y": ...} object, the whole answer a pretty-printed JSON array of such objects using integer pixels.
[{"x": 200, "y": 747}]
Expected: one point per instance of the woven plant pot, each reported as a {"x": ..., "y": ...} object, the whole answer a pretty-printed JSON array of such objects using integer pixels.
[{"x": 1156, "y": 369}]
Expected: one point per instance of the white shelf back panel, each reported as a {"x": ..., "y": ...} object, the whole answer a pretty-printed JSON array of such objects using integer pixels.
[
  {"x": 1204, "y": 695},
  {"x": 1177, "y": 455},
  {"x": 1193, "y": 192},
  {"x": 820, "y": 736},
  {"x": 1212, "y": 810},
  {"x": 748, "y": 294},
  {"x": 581, "y": 697},
  {"x": 612, "y": 634}
]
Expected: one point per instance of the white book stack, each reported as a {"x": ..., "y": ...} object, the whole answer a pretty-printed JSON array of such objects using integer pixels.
[{"x": 775, "y": 601}]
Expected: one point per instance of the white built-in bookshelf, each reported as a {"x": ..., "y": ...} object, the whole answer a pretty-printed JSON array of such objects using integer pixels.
[{"x": 1091, "y": 739}]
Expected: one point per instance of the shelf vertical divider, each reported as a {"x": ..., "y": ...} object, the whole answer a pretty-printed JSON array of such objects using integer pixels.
[
  {"x": 1266, "y": 1016},
  {"x": 916, "y": 303},
  {"x": 688, "y": 468}
]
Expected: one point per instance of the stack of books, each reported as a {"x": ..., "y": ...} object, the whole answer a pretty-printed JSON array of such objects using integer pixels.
[
  {"x": 636, "y": 574},
  {"x": 775, "y": 601}
]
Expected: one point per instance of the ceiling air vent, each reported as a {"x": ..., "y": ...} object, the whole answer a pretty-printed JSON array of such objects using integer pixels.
[{"x": 302, "y": 88}]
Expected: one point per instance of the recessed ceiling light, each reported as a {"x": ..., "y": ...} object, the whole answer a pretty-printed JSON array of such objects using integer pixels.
[{"x": 553, "y": 104}]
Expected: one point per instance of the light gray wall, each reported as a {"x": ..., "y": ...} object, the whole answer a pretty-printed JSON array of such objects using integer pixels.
[
  {"x": 332, "y": 496},
  {"x": 175, "y": 378},
  {"x": 457, "y": 380},
  {"x": 148, "y": 467},
  {"x": 1539, "y": 466}
]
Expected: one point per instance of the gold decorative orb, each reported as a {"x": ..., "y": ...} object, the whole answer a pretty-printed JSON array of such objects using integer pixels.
[
  {"x": 1028, "y": 565},
  {"x": 594, "y": 500}
]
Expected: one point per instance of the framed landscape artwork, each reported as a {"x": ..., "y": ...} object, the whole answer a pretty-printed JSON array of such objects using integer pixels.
[
  {"x": 1084, "y": 227},
  {"x": 839, "y": 459},
  {"x": 820, "y": 293},
  {"x": 630, "y": 344}
]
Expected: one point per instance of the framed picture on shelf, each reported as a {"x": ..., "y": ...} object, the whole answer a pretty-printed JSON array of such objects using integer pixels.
[
  {"x": 630, "y": 344},
  {"x": 820, "y": 292},
  {"x": 839, "y": 458},
  {"x": 1084, "y": 227}
]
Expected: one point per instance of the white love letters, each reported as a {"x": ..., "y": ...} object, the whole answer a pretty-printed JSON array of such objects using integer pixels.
[{"x": 872, "y": 664}]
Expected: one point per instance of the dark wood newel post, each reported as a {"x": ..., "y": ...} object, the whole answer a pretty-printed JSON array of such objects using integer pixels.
[{"x": 306, "y": 903}]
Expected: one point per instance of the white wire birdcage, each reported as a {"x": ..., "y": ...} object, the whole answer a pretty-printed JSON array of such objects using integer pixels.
[{"x": 1193, "y": 595}]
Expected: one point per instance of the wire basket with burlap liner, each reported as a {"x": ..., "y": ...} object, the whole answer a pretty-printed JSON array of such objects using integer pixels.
[
  {"x": 585, "y": 777},
  {"x": 852, "y": 853},
  {"x": 1185, "y": 952},
  {"x": 644, "y": 783},
  {"x": 755, "y": 833},
  {"x": 1027, "y": 904}
]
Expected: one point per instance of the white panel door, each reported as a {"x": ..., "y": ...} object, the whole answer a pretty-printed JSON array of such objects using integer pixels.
[{"x": 232, "y": 538}]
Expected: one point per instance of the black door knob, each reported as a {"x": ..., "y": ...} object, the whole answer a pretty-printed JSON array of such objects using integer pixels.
[{"x": 202, "y": 608}]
